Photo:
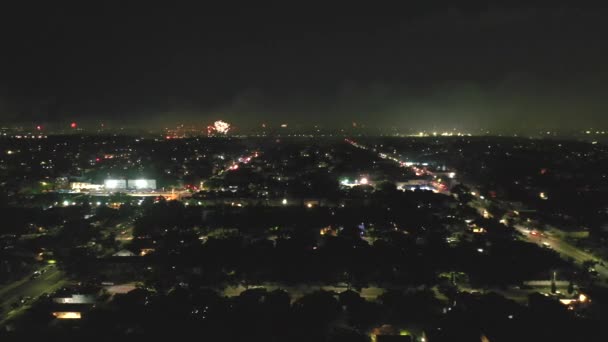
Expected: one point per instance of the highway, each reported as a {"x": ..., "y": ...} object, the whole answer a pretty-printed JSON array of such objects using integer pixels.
[
  {"x": 51, "y": 280},
  {"x": 565, "y": 249},
  {"x": 547, "y": 239}
]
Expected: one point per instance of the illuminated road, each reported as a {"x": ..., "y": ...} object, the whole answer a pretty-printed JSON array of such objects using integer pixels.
[
  {"x": 552, "y": 241},
  {"x": 48, "y": 282},
  {"x": 564, "y": 249}
]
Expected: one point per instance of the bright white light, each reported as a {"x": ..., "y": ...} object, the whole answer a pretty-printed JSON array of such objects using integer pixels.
[
  {"x": 309, "y": 205},
  {"x": 66, "y": 203},
  {"x": 363, "y": 181},
  {"x": 67, "y": 315},
  {"x": 284, "y": 201},
  {"x": 452, "y": 174},
  {"x": 480, "y": 250},
  {"x": 141, "y": 183},
  {"x": 221, "y": 126},
  {"x": 111, "y": 183}
]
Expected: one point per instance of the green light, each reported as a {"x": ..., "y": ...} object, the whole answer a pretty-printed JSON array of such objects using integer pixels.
[{"x": 51, "y": 261}]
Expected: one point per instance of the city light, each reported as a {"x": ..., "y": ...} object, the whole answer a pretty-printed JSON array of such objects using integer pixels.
[
  {"x": 67, "y": 315},
  {"x": 111, "y": 183},
  {"x": 323, "y": 175}
]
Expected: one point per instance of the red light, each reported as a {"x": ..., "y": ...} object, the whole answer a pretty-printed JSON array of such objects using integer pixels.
[
  {"x": 73, "y": 125},
  {"x": 39, "y": 128},
  {"x": 97, "y": 159}
]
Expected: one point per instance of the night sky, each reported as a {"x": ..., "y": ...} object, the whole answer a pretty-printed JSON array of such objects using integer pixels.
[{"x": 512, "y": 68}]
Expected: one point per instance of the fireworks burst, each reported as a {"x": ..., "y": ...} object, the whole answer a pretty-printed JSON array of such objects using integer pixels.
[{"x": 219, "y": 127}]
